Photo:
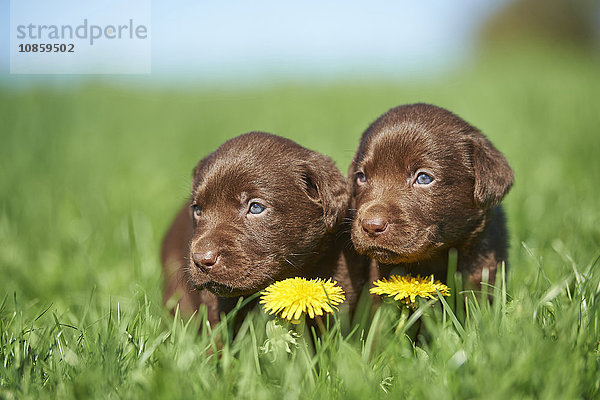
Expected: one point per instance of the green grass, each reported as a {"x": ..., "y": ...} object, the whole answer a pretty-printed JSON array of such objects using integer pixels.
[{"x": 92, "y": 175}]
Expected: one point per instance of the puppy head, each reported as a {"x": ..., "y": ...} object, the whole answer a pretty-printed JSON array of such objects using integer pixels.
[
  {"x": 261, "y": 207},
  {"x": 423, "y": 179}
]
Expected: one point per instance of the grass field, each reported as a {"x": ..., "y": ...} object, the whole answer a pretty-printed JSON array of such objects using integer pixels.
[{"x": 90, "y": 177}]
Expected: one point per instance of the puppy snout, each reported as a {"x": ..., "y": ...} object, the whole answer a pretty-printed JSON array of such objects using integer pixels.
[
  {"x": 205, "y": 260},
  {"x": 374, "y": 225}
]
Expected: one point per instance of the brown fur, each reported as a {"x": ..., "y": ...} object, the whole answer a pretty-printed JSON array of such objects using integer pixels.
[
  {"x": 225, "y": 251},
  {"x": 399, "y": 222}
]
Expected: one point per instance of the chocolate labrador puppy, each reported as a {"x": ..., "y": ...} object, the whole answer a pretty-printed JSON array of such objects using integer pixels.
[
  {"x": 262, "y": 208},
  {"x": 425, "y": 181}
]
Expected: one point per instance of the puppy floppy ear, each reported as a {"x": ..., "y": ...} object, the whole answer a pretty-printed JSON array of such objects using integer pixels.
[
  {"x": 493, "y": 175},
  {"x": 325, "y": 184}
]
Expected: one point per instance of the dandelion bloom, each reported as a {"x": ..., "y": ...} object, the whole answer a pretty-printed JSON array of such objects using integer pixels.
[
  {"x": 408, "y": 288},
  {"x": 294, "y": 296}
]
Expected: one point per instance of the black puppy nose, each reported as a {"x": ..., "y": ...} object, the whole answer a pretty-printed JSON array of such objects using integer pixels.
[
  {"x": 205, "y": 259},
  {"x": 374, "y": 226}
]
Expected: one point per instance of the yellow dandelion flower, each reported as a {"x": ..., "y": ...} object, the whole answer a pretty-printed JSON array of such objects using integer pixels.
[
  {"x": 408, "y": 288},
  {"x": 294, "y": 296}
]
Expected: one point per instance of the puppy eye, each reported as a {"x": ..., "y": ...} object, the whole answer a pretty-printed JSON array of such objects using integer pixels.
[
  {"x": 423, "y": 179},
  {"x": 196, "y": 210},
  {"x": 256, "y": 208},
  {"x": 361, "y": 177}
]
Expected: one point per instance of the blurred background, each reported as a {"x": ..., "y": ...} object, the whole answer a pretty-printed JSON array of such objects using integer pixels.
[
  {"x": 268, "y": 42},
  {"x": 93, "y": 167}
]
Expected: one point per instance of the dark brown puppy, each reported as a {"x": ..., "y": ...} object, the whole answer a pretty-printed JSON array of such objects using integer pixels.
[
  {"x": 425, "y": 181},
  {"x": 262, "y": 208}
]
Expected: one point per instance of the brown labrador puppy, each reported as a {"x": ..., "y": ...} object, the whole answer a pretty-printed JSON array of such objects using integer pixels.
[
  {"x": 425, "y": 181},
  {"x": 262, "y": 209}
]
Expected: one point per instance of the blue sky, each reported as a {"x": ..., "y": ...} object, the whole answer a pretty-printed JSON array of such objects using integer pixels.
[{"x": 275, "y": 40}]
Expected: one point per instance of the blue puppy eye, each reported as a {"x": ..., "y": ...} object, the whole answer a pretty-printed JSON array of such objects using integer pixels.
[
  {"x": 256, "y": 208},
  {"x": 424, "y": 179},
  {"x": 196, "y": 210},
  {"x": 361, "y": 177}
]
